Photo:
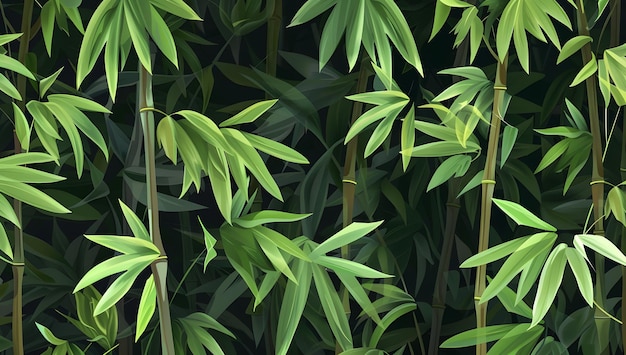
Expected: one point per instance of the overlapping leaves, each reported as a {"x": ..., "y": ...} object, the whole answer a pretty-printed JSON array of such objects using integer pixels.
[
  {"x": 370, "y": 22},
  {"x": 120, "y": 24}
]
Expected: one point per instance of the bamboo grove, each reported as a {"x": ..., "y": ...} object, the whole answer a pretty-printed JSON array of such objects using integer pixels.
[{"x": 313, "y": 176}]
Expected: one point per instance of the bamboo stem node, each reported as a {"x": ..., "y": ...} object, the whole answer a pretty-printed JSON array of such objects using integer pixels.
[
  {"x": 499, "y": 87},
  {"x": 597, "y": 182},
  {"x": 348, "y": 181},
  {"x": 486, "y": 181}
]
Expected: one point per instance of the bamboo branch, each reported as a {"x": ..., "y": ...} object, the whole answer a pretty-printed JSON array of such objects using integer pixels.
[
  {"x": 488, "y": 186},
  {"x": 159, "y": 266},
  {"x": 18, "y": 254},
  {"x": 597, "y": 185}
]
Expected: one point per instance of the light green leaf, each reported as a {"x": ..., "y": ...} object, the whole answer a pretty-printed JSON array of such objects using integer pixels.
[
  {"x": 136, "y": 225},
  {"x": 549, "y": 283},
  {"x": 509, "y": 136},
  {"x": 15, "y": 66},
  {"x": 126, "y": 245},
  {"x": 310, "y": 10},
  {"x": 478, "y": 336},
  {"x": 178, "y": 8},
  {"x": 5, "y": 244},
  {"x": 47, "y": 82},
  {"x": 31, "y": 196},
  {"x": 147, "y": 306},
  {"x": 407, "y": 139},
  {"x": 508, "y": 299},
  {"x": 358, "y": 293},
  {"x": 275, "y": 149},
  {"x": 494, "y": 253},
  {"x": 450, "y": 167},
  {"x": 112, "y": 51},
  {"x": 119, "y": 287},
  {"x": 386, "y": 97},
  {"x": 600, "y": 245},
  {"x": 22, "y": 128},
  {"x": 110, "y": 267},
  {"x": 283, "y": 243},
  {"x": 276, "y": 258},
  {"x": 333, "y": 308},
  {"x": 138, "y": 34},
  {"x": 349, "y": 267},
  {"x": 442, "y": 11},
  {"x": 162, "y": 36},
  {"x": 26, "y": 158},
  {"x": 268, "y": 216},
  {"x": 441, "y": 149},
  {"x": 250, "y": 113},
  {"x": 372, "y": 116},
  {"x": 49, "y": 336},
  {"x": 572, "y": 46},
  {"x": 166, "y": 136},
  {"x": 522, "y": 216},
  {"x": 347, "y": 235},
  {"x": 206, "y": 128},
  {"x": 389, "y": 318},
  {"x": 8, "y": 88},
  {"x": 7, "y": 212},
  {"x": 615, "y": 204},
  {"x": 588, "y": 70},
  {"x": 209, "y": 244},
  {"x": 6, "y": 38},
  {"x": 581, "y": 273},
  {"x": 292, "y": 306}
]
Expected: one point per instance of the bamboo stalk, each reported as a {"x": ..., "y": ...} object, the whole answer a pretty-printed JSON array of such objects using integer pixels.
[
  {"x": 488, "y": 186},
  {"x": 597, "y": 184},
  {"x": 159, "y": 266},
  {"x": 18, "y": 254},
  {"x": 452, "y": 214}
]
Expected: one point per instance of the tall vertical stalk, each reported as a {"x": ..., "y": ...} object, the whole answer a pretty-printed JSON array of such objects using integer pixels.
[
  {"x": 159, "y": 266},
  {"x": 452, "y": 214},
  {"x": 273, "y": 37},
  {"x": 18, "y": 253},
  {"x": 488, "y": 186},
  {"x": 349, "y": 176},
  {"x": 597, "y": 183}
]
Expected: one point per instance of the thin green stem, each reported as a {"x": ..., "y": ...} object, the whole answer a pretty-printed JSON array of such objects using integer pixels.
[
  {"x": 18, "y": 254},
  {"x": 488, "y": 186},
  {"x": 597, "y": 175},
  {"x": 159, "y": 266}
]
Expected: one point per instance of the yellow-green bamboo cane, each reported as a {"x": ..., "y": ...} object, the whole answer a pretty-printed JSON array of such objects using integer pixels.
[
  {"x": 159, "y": 266},
  {"x": 488, "y": 186}
]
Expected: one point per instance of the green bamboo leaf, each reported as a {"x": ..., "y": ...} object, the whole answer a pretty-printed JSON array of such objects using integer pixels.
[
  {"x": 138, "y": 34},
  {"x": 407, "y": 139},
  {"x": 572, "y": 46},
  {"x": 219, "y": 176},
  {"x": 349, "y": 267},
  {"x": 268, "y": 216},
  {"x": 8, "y": 88},
  {"x": 354, "y": 35},
  {"x": 31, "y": 196},
  {"x": 494, "y": 253},
  {"x": 530, "y": 274},
  {"x": 604, "y": 82},
  {"x": 478, "y": 336},
  {"x": 553, "y": 154},
  {"x": 283, "y": 243},
  {"x": 292, "y": 306},
  {"x": 209, "y": 244},
  {"x": 126, "y": 245},
  {"x": 588, "y": 70},
  {"x": 400, "y": 34},
  {"x": 147, "y": 306},
  {"x": 508, "y": 299},
  {"x": 347, "y": 235},
  {"x": 581, "y": 273},
  {"x": 26, "y": 158},
  {"x": 454, "y": 166},
  {"x": 136, "y": 225},
  {"x": 162, "y": 36},
  {"x": 615, "y": 204},
  {"x": 381, "y": 133},
  {"x": 358, "y": 293},
  {"x": 509, "y": 136},
  {"x": 389, "y": 318},
  {"x": 49, "y": 336},
  {"x": 27, "y": 175},
  {"x": 250, "y": 113},
  {"x": 276, "y": 258},
  {"x": 80, "y": 103},
  {"x": 600, "y": 245},
  {"x": 386, "y": 97},
  {"x": 333, "y": 309},
  {"x": 112, "y": 51},
  {"x": 5, "y": 244},
  {"x": 166, "y": 137},
  {"x": 43, "y": 118},
  {"x": 94, "y": 38},
  {"x": 310, "y": 10},
  {"x": 206, "y": 128},
  {"x": 120, "y": 287},
  {"x": 22, "y": 128},
  {"x": 516, "y": 340},
  {"x": 275, "y": 149},
  {"x": 47, "y": 25},
  {"x": 13, "y": 65},
  {"x": 441, "y": 149},
  {"x": 47, "y": 82},
  {"x": 112, "y": 266},
  {"x": 568, "y": 132},
  {"x": 442, "y": 11},
  {"x": 531, "y": 249},
  {"x": 6, "y": 38},
  {"x": 237, "y": 242},
  {"x": 436, "y": 130},
  {"x": 333, "y": 30},
  {"x": 7, "y": 212},
  {"x": 522, "y": 216},
  {"x": 178, "y": 8},
  {"x": 206, "y": 321},
  {"x": 549, "y": 283}
]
